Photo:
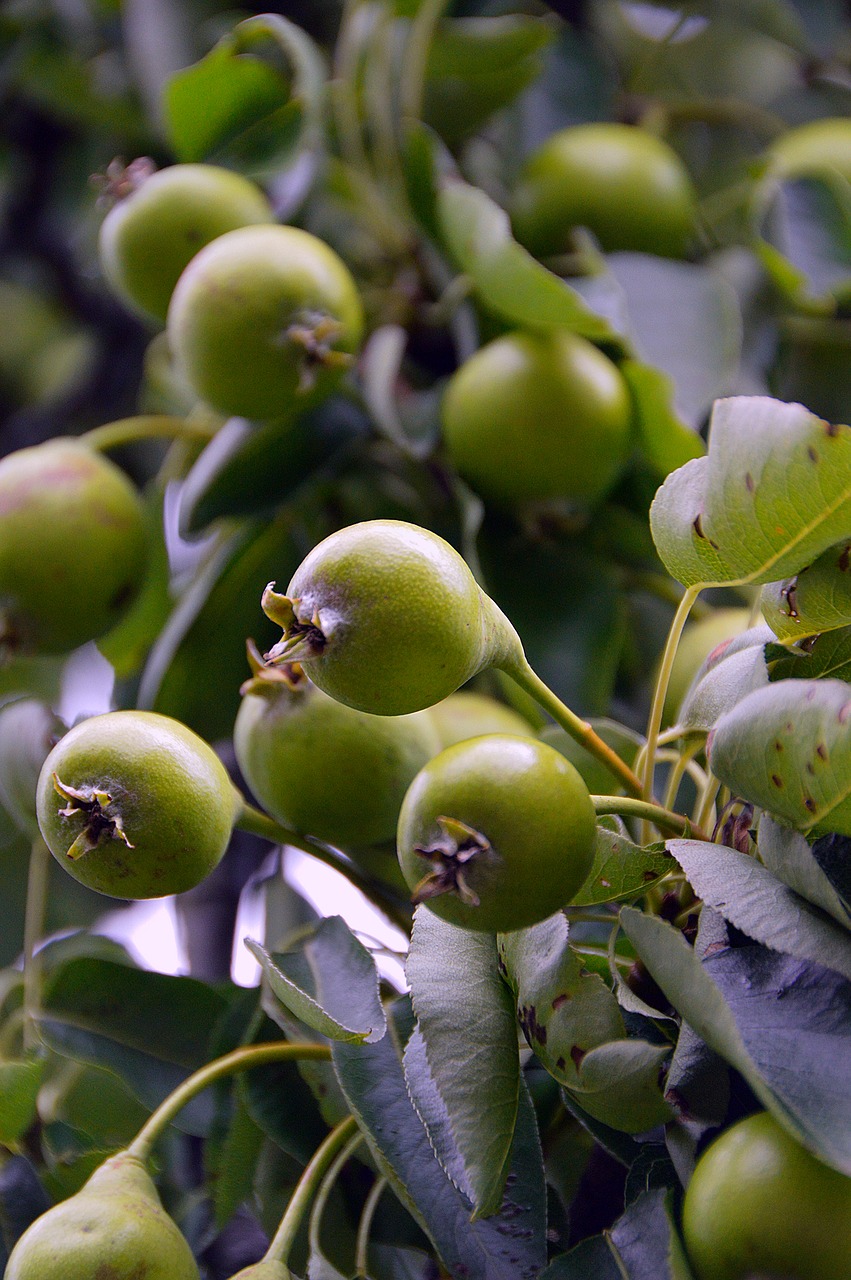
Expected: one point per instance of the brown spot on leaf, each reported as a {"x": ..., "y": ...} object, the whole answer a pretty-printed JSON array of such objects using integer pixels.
[
  {"x": 561, "y": 999},
  {"x": 778, "y": 746},
  {"x": 809, "y": 804},
  {"x": 821, "y": 751},
  {"x": 561, "y": 1064},
  {"x": 777, "y": 780},
  {"x": 577, "y": 1054},
  {"x": 697, "y": 525},
  {"x": 812, "y": 453},
  {"x": 749, "y": 482},
  {"x": 532, "y": 1029},
  {"x": 844, "y": 558}
]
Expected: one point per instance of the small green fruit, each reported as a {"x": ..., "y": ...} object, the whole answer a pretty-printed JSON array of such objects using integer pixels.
[
  {"x": 73, "y": 546},
  {"x": 324, "y": 768},
  {"x": 159, "y": 224},
  {"x": 264, "y": 321},
  {"x": 759, "y": 1204},
  {"x": 469, "y": 715},
  {"x": 135, "y": 805},
  {"x": 114, "y": 1229},
  {"x": 812, "y": 149},
  {"x": 534, "y": 417},
  {"x": 388, "y": 618},
  {"x": 625, "y": 185},
  {"x": 496, "y": 833}
]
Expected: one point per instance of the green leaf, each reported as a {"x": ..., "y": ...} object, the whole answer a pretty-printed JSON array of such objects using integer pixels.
[
  {"x": 805, "y": 240},
  {"x": 564, "y": 1011},
  {"x": 788, "y": 856},
  {"x": 683, "y": 320},
  {"x": 732, "y": 670},
  {"x": 329, "y": 982},
  {"x": 831, "y": 852},
  {"x": 19, "y": 1086},
  {"x": 511, "y": 1245},
  {"x": 793, "y": 1051},
  {"x": 240, "y": 106},
  {"x": 507, "y": 279},
  {"x": 231, "y": 1163},
  {"x": 828, "y": 655},
  {"x": 728, "y": 517},
  {"x": 151, "y": 1029},
  {"x": 642, "y": 1245},
  {"x": 619, "y": 1084},
  {"x": 621, "y": 869},
  {"x": 666, "y": 441},
  {"x": 477, "y": 1075},
  {"x": 816, "y": 599},
  {"x": 747, "y": 894},
  {"x": 787, "y": 748}
]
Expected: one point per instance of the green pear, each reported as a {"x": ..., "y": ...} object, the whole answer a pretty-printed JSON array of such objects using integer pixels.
[
  {"x": 115, "y": 1228},
  {"x": 266, "y": 1269}
]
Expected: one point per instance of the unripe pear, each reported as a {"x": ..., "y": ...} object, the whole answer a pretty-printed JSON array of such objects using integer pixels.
[
  {"x": 264, "y": 1270},
  {"x": 114, "y": 1229},
  {"x": 387, "y": 617}
]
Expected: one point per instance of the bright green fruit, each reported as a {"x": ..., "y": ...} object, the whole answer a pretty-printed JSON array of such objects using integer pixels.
[
  {"x": 699, "y": 640},
  {"x": 264, "y": 320},
  {"x": 496, "y": 833},
  {"x": 626, "y": 186},
  {"x": 323, "y": 768},
  {"x": 152, "y": 233},
  {"x": 114, "y": 1229},
  {"x": 758, "y": 1204},
  {"x": 264, "y": 1270},
  {"x": 135, "y": 805},
  {"x": 387, "y": 617},
  {"x": 532, "y": 417},
  {"x": 28, "y": 733},
  {"x": 813, "y": 149},
  {"x": 73, "y": 546},
  {"x": 469, "y": 715}
]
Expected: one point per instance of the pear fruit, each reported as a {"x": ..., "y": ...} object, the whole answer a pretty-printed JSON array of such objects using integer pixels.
[
  {"x": 115, "y": 1228},
  {"x": 266, "y": 1269}
]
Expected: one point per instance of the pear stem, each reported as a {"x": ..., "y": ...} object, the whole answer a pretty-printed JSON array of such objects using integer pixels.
[
  {"x": 146, "y": 426},
  {"x": 37, "y": 882},
  {"x": 258, "y": 823},
  {"x": 665, "y": 819},
  {"x": 365, "y": 1226},
  {"x": 282, "y": 1241},
  {"x": 327, "y": 1186},
  {"x": 253, "y": 1055},
  {"x": 579, "y": 729}
]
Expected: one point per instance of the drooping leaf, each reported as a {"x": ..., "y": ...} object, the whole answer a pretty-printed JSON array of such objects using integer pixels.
[
  {"x": 620, "y": 1084},
  {"x": 817, "y": 599},
  {"x": 329, "y": 982},
  {"x": 806, "y": 241},
  {"x": 729, "y": 673},
  {"x": 564, "y": 1010},
  {"x": 508, "y": 1246},
  {"x": 787, "y": 748},
  {"x": 788, "y": 855},
  {"x": 684, "y": 321},
  {"x": 151, "y": 1029},
  {"x": 746, "y": 893},
  {"x": 728, "y": 517},
  {"x": 477, "y": 1075},
  {"x": 783, "y": 1023},
  {"x": 621, "y": 869},
  {"x": 19, "y": 1085},
  {"x": 642, "y": 1245},
  {"x": 254, "y": 101},
  {"x": 507, "y": 279}
]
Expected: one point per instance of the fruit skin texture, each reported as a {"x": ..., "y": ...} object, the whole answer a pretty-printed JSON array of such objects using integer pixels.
[
  {"x": 326, "y": 769},
  {"x": 169, "y": 794},
  {"x": 401, "y": 621},
  {"x": 534, "y": 811},
  {"x": 264, "y": 1270},
  {"x": 264, "y": 320},
  {"x": 813, "y": 149},
  {"x": 531, "y": 417},
  {"x": 626, "y": 186},
  {"x": 150, "y": 236},
  {"x": 759, "y": 1204},
  {"x": 114, "y": 1229},
  {"x": 469, "y": 715},
  {"x": 73, "y": 546}
]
